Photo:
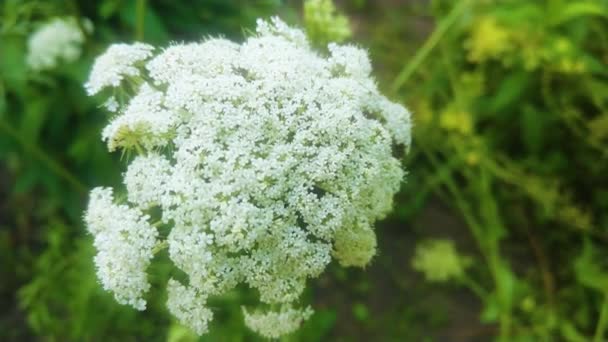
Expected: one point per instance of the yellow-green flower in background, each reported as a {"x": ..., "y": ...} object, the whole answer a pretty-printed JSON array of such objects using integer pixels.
[
  {"x": 565, "y": 57},
  {"x": 531, "y": 58},
  {"x": 532, "y": 48},
  {"x": 575, "y": 217},
  {"x": 323, "y": 22},
  {"x": 472, "y": 158},
  {"x": 562, "y": 45},
  {"x": 471, "y": 84},
  {"x": 598, "y": 128},
  {"x": 455, "y": 120},
  {"x": 568, "y": 65},
  {"x": 439, "y": 260},
  {"x": 488, "y": 40}
]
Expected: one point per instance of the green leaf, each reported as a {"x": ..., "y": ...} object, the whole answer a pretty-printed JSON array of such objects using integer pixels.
[
  {"x": 13, "y": 70},
  {"x": 507, "y": 283},
  {"x": 360, "y": 311},
  {"x": 318, "y": 327},
  {"x": 108, "y": 8},
  {"x": 575, "y": 9},
  {"x": 2, "y": 100},
  {"x": 26, "y": 181},
  {"x": 491, "y": 309},
  {"x": 34, "y": 118},
  {"x": 179, "y": 333},
  {"x": 510, "y": 91},
  {"x": 569, "y": 332},
  {"x": 587, "y": 270},
  {"x": 533, "y": 125}
]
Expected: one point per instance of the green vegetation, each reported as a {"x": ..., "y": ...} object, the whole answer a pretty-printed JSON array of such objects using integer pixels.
[{"x": 507, "y": 172}]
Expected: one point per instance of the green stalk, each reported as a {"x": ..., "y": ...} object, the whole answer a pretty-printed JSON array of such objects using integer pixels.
[
  {"x": 139, "y": 149},
  {"x": 42, "y": 156},
  {"x": 160, "y": 246},
  {"x": 474, "y": 286},
  {"x": 488, "y": 247},
  {"x": 140, "y": 13},
  {"x": 429, "y": 45},
  {"x": 601, "y": 324}
]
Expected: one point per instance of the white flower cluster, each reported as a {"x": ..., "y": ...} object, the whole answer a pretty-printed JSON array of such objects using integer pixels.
[
  {"x": 274, "y": 324},
  {"x": 189, "y": 306},
  {"x": 59, "y": 40},
  {"x": 124, "y": 241},
  {"x": 120, "y": 61},
  {"x": 263, "y": 160}
]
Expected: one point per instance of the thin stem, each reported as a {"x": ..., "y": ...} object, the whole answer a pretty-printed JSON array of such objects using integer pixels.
[
  {"x": 490, "y": 214},
  {"x": 140, "y": 12},
  {"x": 139, "y": 149},
  {"x": 474, "y": 286},
  {"x": 429, "y": 45},
  {"x": 487, "y": 245},
  {"x": 42, "y": 156},
  {"x": 601, "y": 324},
  {"x": 160, "y": 246},
  {"x": 460, "y": 202}
]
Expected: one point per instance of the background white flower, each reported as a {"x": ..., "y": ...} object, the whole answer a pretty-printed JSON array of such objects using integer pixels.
[{"x": 59, "y": 40}]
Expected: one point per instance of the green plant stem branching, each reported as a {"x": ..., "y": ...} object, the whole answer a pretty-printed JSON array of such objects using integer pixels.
[
  {"x": 429, "y": 45},
  {"x": 487, "y": 242}
]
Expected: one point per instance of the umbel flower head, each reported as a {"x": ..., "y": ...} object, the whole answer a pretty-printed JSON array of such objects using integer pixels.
[
  {"x": 259, "y": 162},
  {"x": 59, "y": 40}
]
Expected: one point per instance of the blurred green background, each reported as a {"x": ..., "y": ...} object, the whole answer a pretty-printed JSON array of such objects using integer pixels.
[{"x": 499, "y": 233}]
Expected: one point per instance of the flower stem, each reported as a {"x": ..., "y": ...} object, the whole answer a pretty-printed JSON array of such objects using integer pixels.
[
  {"x": 139, "y": 149},
  {"x": 429, "y": 45},
  {"x": 474, "y": 286},
  {"x": 140, "y": 12},
  {"x": 601, "y": 324},
  {"x": 160, "y": 246}
]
